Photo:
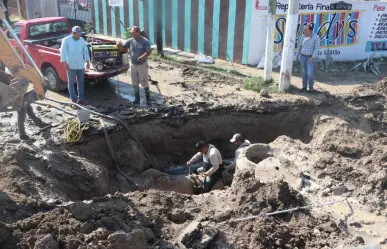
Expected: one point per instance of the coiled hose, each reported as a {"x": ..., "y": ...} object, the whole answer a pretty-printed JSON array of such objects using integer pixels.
[
  {"x": 74, "y": 130},
  {"x": 120, "y": 121}
]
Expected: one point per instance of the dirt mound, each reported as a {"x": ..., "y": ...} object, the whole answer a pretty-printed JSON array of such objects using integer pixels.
[
  {"x": 167, "y": 219},
  {"x": 102, "y": 223},
  {"x": 289, "y": 230},
  {"x": 344, "y": 159},
  {"x": 380, "y": 87},
  {"x": 50, "y": 175},
  {"x": 253, "y": 197}
]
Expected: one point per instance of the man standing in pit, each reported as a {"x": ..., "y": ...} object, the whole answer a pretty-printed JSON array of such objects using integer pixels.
[
  {"x": 242, "y": 143},
  {"x": 139, "y": 49},
  {"x": 74, "y": 54},
  {"x": 212, "y": 163},
  {"x": 307, "y": 53}
]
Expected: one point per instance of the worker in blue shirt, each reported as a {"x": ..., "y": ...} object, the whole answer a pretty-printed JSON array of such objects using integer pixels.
[{"x": 74, "y": 54}]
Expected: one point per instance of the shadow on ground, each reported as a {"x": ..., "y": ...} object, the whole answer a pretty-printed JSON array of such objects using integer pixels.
[
  {"x": 115, "y": 93},
  {"x": 342, "y": 74}
]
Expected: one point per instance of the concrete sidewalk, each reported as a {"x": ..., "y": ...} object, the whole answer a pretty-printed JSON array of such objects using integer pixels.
[
  {"x": 337, "y": 82},
  {"x": 342, "y": 81}
]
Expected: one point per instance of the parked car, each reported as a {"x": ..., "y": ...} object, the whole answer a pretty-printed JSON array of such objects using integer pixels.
[{"x": 42, "y": 38}]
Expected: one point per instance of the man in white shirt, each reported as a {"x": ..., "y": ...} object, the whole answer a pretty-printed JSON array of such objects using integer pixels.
[
  {"x": 212, "y": 162},
  {"x": 307, "y": 54},
  {"x": 242, "y": 143}
]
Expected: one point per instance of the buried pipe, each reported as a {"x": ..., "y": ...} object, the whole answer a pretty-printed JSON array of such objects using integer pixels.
[
  {"x": 112, "y": 153},
  {"x": 120, "y": 121},
  {"x": 284, "y": 211}
]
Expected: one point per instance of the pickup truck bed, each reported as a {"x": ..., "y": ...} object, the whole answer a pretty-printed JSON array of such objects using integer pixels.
[{"x": 45, "y": 51}]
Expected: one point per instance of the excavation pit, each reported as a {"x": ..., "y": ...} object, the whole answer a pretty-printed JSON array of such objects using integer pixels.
[
  {"x": 319, "y": 140},
  {"x": 171, "y": 142},
  {"x": 78, "y": 172}
]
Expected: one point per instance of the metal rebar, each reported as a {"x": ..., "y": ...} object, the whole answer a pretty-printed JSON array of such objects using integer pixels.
[
  {"x": 286, "y": 211},
  {"x": 112, "y": 153}
]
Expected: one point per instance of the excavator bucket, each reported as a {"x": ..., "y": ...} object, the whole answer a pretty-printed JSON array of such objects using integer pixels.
[
  {"x": 7, "y": 96},
  {"x": 12, "y": 95}
]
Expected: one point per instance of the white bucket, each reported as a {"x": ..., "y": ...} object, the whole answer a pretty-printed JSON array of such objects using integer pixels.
[{"x": 83, "y": 115}]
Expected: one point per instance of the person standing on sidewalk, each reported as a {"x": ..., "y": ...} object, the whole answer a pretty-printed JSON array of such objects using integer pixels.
[
  {"x": 74, "y": 54},
  {"x": 307, "y": 53},
  {"x": 139, "y": 49}
]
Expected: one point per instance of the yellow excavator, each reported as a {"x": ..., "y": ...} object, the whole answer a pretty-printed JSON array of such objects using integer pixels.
[{"x": 13, "y": 95}]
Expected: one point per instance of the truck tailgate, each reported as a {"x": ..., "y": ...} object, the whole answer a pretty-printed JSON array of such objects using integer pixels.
[{"x": 93, "y": 74}]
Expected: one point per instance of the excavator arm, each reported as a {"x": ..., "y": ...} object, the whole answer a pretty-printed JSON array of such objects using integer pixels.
[{"x": 12, "y": 95}]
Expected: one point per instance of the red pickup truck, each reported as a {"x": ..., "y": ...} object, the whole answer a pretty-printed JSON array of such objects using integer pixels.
[{"x": 42, "y": 38}]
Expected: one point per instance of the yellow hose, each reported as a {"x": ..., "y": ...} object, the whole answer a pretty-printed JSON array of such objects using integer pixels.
[{"x": 74, "y": 130}]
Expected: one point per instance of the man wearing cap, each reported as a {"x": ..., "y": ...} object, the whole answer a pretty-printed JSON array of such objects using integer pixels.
[
  {"x": 242, "y": 143},
  {"x": 73, "y": 55},
  {"x": 212, "y": 163},
  {"x": 139, "y": 49}
]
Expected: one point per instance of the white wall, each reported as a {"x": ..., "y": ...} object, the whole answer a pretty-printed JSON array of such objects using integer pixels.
[
  {"x": 45, "y": 8},
  {"x": 353, "y": 41}
]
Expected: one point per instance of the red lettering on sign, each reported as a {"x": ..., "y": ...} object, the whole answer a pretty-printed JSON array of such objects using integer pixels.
[
  {"x": 379, "y": 8},
  {"x": 258, "y": 7}
]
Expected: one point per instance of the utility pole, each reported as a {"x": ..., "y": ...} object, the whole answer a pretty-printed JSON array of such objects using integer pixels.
[
  {"x": 159, "y": 27},
  {"x": 75, "y": 9},
  {"x": 289, "y": 45},
  {"x": 268, "y": 68}
]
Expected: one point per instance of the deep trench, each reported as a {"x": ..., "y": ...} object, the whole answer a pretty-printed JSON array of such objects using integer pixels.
[
  {"x": 169, "y": 142},
  {"x": 172, "y": 142}
]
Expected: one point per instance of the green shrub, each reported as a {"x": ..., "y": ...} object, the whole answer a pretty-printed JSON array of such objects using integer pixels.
[
  {"x": 89, "y": 28},
  {"x": 256, "y": 84},
  {"x": 127, "y": 33}
]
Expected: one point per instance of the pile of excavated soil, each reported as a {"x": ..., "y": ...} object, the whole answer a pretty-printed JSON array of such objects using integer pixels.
[{"x": 155, "y": 219}]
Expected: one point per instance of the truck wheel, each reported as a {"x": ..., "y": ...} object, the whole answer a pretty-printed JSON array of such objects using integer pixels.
[{"x": 54, "y": 83}]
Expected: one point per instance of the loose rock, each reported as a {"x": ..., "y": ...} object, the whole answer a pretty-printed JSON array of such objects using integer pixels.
[
  {"x": 81, "y": 211},
  {"x": 47, "y": 242}
]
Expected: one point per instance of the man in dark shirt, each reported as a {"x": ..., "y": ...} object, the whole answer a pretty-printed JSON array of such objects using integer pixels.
[{"x": 139, "y": 50}]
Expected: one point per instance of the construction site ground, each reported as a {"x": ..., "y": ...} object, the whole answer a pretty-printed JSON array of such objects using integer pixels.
[{"x": 326, "y": 146}]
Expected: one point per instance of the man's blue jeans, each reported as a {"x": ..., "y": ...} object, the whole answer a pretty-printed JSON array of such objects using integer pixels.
[
  {"x": 76, "y": 75},
  {"x": 307, "y": 70}
]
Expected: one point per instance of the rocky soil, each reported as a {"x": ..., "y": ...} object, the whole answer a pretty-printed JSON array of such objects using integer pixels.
[{"x": 59, "y": 195}]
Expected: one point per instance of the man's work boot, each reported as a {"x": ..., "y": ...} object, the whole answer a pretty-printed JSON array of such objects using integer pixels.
[
  {"x": 136, "y": 91},
  {"x": 21, "y": 118},
  {"x": 37, "y": 121},
  {"x": 147, "y": 96},
  {"x": 24, "y": 137}
]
